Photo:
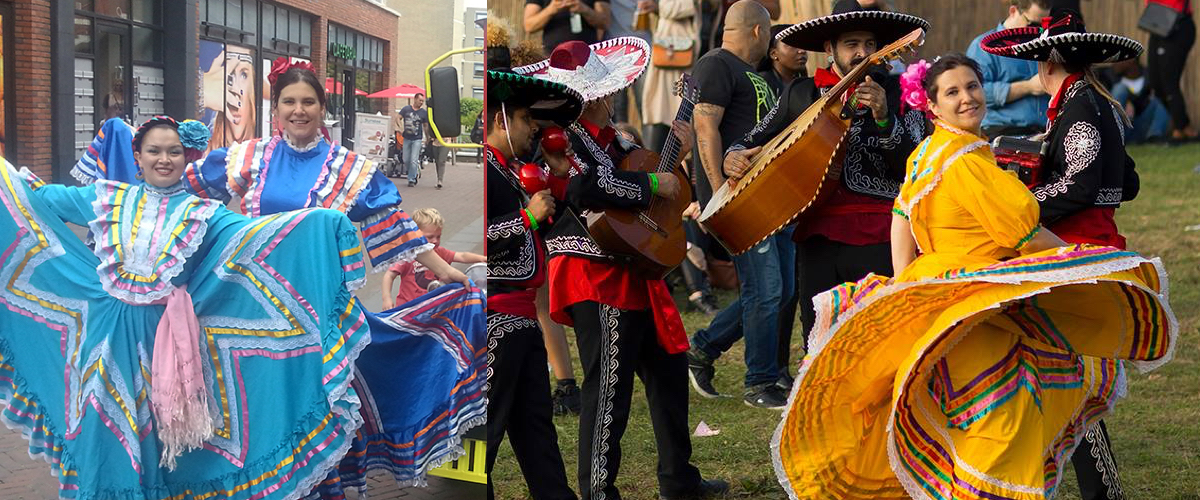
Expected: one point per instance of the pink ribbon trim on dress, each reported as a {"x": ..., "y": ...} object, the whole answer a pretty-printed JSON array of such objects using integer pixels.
[{"x": 178, "y": 395}]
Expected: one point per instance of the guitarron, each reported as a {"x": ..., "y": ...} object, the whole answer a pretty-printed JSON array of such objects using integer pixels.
[{"x": 797, "y": 169}]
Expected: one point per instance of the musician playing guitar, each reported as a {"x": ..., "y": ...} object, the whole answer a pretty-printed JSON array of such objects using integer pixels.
[
  {"x": 847, "y": 237},
  {"x": 625, "y": 322}
]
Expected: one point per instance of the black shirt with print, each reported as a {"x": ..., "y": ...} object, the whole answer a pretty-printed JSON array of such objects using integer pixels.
[{"x": 729, "y": 82}]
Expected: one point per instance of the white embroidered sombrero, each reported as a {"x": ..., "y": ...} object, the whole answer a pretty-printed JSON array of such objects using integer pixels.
[
  {"x": 1062, "y": 38},
  {"x": 596, "y": 71},
  {"x": 849, "y": 16}
]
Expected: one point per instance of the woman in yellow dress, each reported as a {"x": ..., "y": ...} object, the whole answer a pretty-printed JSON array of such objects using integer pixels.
[{"x": 974, "y": 371}]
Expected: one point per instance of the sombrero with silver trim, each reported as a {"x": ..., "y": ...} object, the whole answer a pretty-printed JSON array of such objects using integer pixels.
[
  {"x": 546, "y": 100},
  {"x": 595, "y": 71},
  {"x": 1062, "y": 38},
  {"x": 849, "y": 16}
]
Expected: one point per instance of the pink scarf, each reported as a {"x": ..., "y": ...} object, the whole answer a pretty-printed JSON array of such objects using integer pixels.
[{"x": 178, "y": 395}]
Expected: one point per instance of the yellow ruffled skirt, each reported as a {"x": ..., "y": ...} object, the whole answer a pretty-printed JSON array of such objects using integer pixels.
[{"x": 967, "y": 378}]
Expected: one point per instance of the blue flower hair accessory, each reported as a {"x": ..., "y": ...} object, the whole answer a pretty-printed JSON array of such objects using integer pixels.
[{"x": 194, "y": 135}]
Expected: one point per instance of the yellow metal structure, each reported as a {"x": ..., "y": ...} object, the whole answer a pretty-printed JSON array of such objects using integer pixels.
[
  {"x": 470, "y": 467},
  {"x": 429, "y": 110}
]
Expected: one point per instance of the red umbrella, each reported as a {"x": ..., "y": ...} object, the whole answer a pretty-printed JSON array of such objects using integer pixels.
[
  {"x": 335, "y": 87},
  {"x": 404, "y": 90}
]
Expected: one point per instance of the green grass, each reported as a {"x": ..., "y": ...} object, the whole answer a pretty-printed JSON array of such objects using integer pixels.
[{"x": 1155, "y": 431}]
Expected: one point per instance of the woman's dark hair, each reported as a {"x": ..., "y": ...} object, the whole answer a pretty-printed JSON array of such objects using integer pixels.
[
  {"x": 297, "y": 75},
  {"x": 137, "y": 138},
  {"x": 944, "y": 64},
  {"x": 764, "y": 64}
]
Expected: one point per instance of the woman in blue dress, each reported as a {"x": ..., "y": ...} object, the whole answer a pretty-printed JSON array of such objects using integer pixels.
[
  {"x": 422, "y": 378},
  {"x": 189, "y": 352}
]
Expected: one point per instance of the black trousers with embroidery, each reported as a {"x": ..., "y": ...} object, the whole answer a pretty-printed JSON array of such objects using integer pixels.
[
  {"x": 614, "y": 346},
  {"x": 518, "y": 390},
  {"x": 1095, "y": 466}
]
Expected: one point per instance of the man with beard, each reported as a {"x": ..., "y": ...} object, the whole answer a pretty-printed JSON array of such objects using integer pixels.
[
  {"x": 517, "y": 387},
  {"x": 849, "y": 235},
  {"x": 626, "y": 323}
]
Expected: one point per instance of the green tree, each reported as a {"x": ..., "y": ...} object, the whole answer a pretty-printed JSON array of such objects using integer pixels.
[{"x": 469, "y": 108}]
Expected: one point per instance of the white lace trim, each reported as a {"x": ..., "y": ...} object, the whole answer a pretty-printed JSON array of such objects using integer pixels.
[
  {"x": 162, "y": 240},
  {"x": 306, "y": 147},
  {"x": 937, "y": 176}
]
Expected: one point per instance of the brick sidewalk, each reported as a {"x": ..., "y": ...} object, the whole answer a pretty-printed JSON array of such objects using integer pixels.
[{"x": 461, "y": 203}]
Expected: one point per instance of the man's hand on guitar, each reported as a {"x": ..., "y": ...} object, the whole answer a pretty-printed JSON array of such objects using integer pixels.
[
  {"x": 737, "y": 163},
  {"x": 686, "y": 135},
  {"x": 871, "y": 95},
  {"x": 668, "y": 186},
  {"x": 541, "y": 205}
]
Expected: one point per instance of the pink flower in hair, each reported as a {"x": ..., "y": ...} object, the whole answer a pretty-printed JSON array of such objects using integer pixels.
[{"x": 912, "y": 87}]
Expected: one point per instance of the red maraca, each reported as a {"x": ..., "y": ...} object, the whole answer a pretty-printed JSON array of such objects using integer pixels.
[
  {"x": 554, "y": 140},
  {"x": 532, "y": 178}
]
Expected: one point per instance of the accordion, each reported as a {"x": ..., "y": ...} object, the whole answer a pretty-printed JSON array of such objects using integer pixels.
[{"x": 1020, "y": 155}]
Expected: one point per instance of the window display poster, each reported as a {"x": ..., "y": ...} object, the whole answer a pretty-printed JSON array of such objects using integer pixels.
[
  {"x": 269, "y": 124},
  {"x": 371, "y": 137},
  {"x": 227, "y": 93}
]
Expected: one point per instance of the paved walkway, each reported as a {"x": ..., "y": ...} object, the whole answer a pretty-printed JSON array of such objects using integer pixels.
[{"x": 461, "y": 203}]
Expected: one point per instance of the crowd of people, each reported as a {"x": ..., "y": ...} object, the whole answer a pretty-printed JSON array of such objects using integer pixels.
[
  {"x": 939, "y": 294},
  {"x": 188, "y": 350}
]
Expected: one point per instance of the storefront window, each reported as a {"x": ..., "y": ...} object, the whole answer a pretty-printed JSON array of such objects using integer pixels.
[
  {"x": 83, "y": 35},
  {"x": 359, "y": 58},
  {"x": 111, "y": 8},
  {"x": 147, "y": 44},
  {"x": 147, "y": 11}
]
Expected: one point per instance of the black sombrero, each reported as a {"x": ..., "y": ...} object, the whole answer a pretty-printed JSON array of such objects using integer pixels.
[
  {"x": 849, "y": 16},
  {"x": 1062, "y": 38},
  {"x": 546, "y": 100}
]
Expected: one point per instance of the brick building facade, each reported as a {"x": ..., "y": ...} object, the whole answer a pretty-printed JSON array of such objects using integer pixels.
[{"x": 68, "y": 66}]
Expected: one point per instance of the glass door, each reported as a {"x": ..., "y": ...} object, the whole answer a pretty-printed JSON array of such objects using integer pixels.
[{"x": 113, "y": 73}]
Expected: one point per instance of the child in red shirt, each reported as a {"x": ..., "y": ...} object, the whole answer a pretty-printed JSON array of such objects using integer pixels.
[{"x": 414, "y": 277}]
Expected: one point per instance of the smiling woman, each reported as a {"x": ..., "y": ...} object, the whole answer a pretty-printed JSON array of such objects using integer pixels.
[{"x": 955, "y": 92}]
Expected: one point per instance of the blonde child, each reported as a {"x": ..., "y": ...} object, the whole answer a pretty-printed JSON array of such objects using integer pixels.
[{"x": 414, "y": 277}]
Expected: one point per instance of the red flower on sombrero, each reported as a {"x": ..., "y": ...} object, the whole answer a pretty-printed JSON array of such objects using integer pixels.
[
  {"x": 595, "y": 71},
  {"x": 1062, "y": 38}
]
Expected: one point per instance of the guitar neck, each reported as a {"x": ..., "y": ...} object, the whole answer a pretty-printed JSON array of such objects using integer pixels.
[{"x": 670, "y": 151}]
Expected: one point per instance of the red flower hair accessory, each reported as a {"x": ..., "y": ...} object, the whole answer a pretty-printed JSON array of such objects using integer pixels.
[{"x": 282, "y": 64}]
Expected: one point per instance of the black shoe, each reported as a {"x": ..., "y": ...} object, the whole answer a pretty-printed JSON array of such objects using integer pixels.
[
  {"x": 708, "y": 488},
  {"x": 567, "y": 400},
  {"x": 701, "y": 372},
  {"x": 768, "y": 396},
  {"x": 785, "y": 382}
]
